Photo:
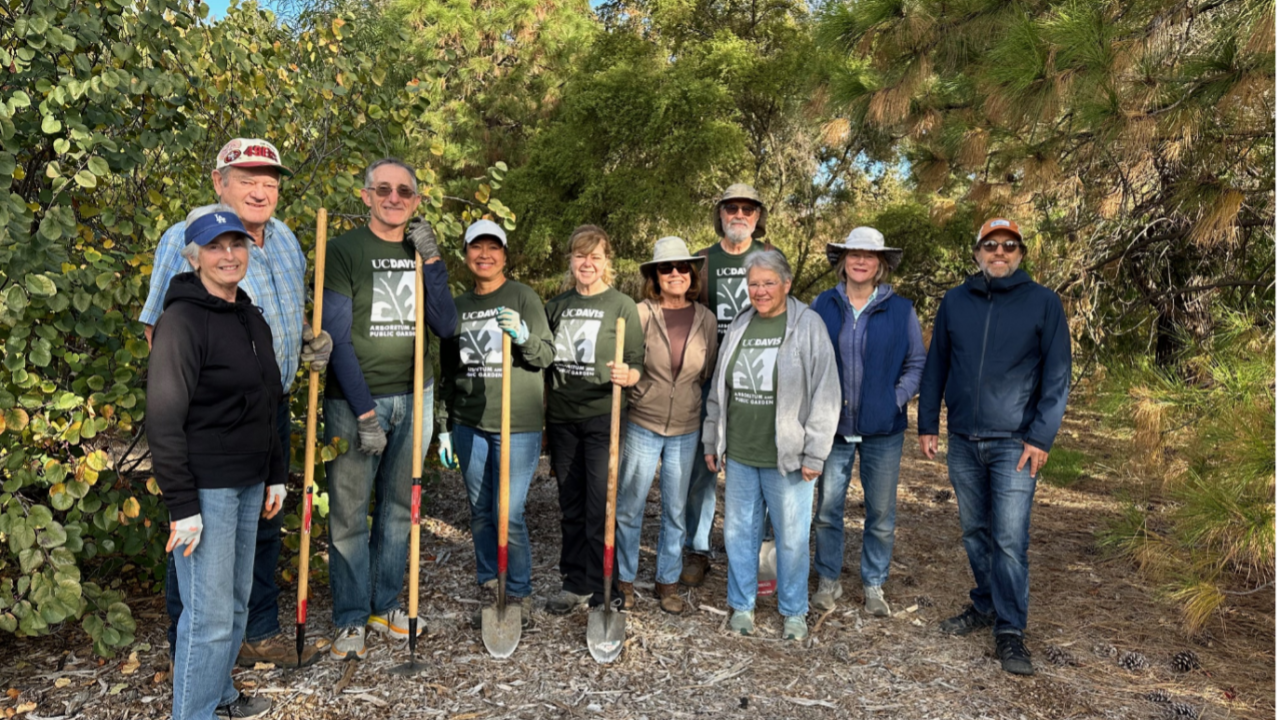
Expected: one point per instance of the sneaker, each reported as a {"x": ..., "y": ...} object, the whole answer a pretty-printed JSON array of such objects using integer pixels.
[
  {"x": 694, "y": 573},
  {"x": 1014, "y": 657},
  {"x": 565, "y": 602},
  {"x": 874, "y": 602},
  {"x": 743, "y": 621},
  {"x": 966, "y": 622},
  {"x": 828, "y": 592},
  {"x": 348, "y": 644},
  {"x": 394, "y": 623},
  {"x": 794, "y": 628},
  {"x": 279, "y": 651},
  {"x": 244, "y": 707}
]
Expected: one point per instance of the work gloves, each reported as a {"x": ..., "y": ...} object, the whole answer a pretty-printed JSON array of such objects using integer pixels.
[
  {"x": 372, "y": 439},
  {"x": 316, "y": 348},
  {"x": 510, "y": 323},
  {"x": 423, "y": 238},
  {"x": 447, "y": 457},
  {"x": 275, "y": 501},
  {"x": 185, "y": 532}
]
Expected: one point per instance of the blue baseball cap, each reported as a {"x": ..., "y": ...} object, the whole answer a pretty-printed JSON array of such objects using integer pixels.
[{"x": 206, "y": 228}]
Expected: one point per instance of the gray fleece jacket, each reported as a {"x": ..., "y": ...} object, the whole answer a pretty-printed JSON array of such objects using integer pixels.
[{"x": 808, "y": 397}]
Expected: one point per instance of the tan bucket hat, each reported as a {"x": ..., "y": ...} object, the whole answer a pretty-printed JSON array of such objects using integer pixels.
[
  {"x": 740, "y": 191},
  {"x": 865, "y": 238},
  {"x": 669, "y": 249}
]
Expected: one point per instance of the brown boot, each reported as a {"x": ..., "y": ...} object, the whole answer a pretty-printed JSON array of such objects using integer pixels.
[
  {"x": 695, "y": 569},
  {"x": 669, "y": 597},
  {"x": 628, "y": 591},
  {"x": 279, "y": 651}
]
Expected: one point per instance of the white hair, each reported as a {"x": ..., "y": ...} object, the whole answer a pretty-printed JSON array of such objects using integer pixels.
[
  {"x": 771, "y": 260},
  {"x": 191, "y": 251},
  {"x": 396, "y": 162}
]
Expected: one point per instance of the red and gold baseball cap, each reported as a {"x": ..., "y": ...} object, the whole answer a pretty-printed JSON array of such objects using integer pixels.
[
  {"x": 995, "y": 224},
  {"x": 250, "y": 153}
]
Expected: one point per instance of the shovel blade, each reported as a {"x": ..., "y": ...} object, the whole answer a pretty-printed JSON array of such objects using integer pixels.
[
  {"x": 413, "y": 667},
  {"x": 500, "y": 629},
  {"x": 606, "y": 632}
]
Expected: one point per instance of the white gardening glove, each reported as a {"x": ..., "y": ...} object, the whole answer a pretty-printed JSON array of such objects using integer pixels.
[
  {"x": 447, "y": 457},
  {"x": 185, "y": 532},
  {"x": 275, "y": 501},
  {"x": 510, "y": 323}
]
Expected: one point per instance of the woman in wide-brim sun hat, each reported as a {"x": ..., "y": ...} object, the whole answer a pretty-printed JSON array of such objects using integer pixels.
[{"x": 880, "y": 354}]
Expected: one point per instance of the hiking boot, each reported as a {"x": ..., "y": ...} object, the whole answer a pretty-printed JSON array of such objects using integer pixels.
[
  {"x": 244, "y": 707},
  {"x": 794, "y": 628},
  {"x": 828, "y": 592},
  {"x": 1014, "y": 657},
  {"x": 278, "y": 651},
  {"x": 874, "y": 602},
  {"x": 966, "y": 622},
  {"x": 394, "y": 624},
  {"x": 348, "y": 644},
  {"x": 628, "y": 591},
  {"x": 743, "y": 621},
  {"x": 565, "y": 602},
  {"x": 669, "y": 597},
  {"x": 696, "y": 566}
]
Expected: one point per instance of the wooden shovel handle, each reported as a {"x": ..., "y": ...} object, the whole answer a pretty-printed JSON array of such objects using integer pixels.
[
  {"x": 415, "y": 499},
  {"x": 309, "y": 440},
  {"x": 615, "y": 426},
  {"x": 504, "y": 455}
]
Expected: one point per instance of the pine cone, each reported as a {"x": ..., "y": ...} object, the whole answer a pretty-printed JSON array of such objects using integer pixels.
[
  {"x": 1058, "y": 656},
  {"x": 924, "y": 601},
  {"x": 1105, "y": 650},
  {"x": 1133, "y": 661},
  {"x": 1186, "y": 661},
  {"x": 942, "y": 496},
  {"x": 1161, "y": 696},
  {"x": 1180, "y": 711}
]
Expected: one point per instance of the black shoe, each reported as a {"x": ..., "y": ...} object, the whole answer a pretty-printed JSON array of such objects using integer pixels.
[
  {"x": 1014, "y": 657},
  {"x": 244, "y": 707},
  {"x": 966, "y": 622}
]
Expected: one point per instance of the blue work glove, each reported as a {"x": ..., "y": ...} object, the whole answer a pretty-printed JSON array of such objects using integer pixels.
[
  {"x": 510, "y": 323},
  {"x": 447, "y": 456}
]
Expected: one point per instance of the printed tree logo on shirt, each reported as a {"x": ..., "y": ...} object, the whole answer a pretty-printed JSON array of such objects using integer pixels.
[
  {"x": 480, "y": 342},
  {"x": 753, "y": 372},
  {"x": 731, "y": 297},
  {"x": 393, "y": 297},
  {"x": 576, "y": 341}
]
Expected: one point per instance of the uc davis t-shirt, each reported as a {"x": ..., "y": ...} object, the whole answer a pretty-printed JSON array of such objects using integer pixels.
[
  {"x": 378, "y": 276},
  {"x": 727, "y": 280},
  {"x": 585, "y": 329},
  {"x": 753, "y": 380}
]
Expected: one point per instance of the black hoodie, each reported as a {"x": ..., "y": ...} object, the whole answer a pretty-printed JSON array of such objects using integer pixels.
[{"x": 212, "y": 391}]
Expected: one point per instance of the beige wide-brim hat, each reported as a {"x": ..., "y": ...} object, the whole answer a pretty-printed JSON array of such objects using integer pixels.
[
  {"x": 669, "y": 249},
  {"x": 865, "y": 238},
  {"x": 740, "y": 191}
]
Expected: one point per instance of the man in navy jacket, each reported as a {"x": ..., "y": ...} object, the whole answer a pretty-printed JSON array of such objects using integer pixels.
[{"x": 1001, "y": 357}]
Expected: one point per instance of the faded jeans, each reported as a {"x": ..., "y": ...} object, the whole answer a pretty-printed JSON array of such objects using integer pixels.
[
  {"x": 367, "y": 564},
  {"x": 479, "y": 456},
  {"x": 878, "y": 471},
  {"x": 640, "y": 456},
  {"x": 748, "y": 491},
  {"x": 700, "y": 505}
]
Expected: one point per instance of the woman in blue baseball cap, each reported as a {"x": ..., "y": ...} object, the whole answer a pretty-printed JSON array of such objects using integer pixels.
[{"x": 212, "y": 390}]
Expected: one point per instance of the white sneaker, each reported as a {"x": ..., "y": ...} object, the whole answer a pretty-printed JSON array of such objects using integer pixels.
[
  {"x": 394, "y": 624},
  {"x": 348, "y": 644},
  {"x": 874, "y": 601},
  {"x": 828, "y": 592},
  {"x": 743, "y": 621}
]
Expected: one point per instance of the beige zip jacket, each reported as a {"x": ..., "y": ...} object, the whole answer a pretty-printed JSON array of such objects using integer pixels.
[{"x": 658, "y": 402}]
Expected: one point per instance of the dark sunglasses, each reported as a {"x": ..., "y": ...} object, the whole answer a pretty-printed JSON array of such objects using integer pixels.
[
  {"x": 681, "y": 267},
  {"x": 1010, "y": 246},
  {"x": 404, "y": 191},
  {"x": 747, "y": 209}
]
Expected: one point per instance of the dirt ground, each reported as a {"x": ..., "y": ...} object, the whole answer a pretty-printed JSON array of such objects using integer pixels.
[{"x": 1092, "y": 609}]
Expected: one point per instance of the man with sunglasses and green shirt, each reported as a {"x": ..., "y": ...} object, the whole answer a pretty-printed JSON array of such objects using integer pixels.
[{"x": 369, "y": 309}]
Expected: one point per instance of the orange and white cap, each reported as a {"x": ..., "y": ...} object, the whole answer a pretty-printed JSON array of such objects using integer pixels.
[
  {"x": 995, "y": 224},
  {"x": 250, "y": 153}
]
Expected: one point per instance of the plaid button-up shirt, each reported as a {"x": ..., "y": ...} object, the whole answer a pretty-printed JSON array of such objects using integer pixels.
[{"x": 275, "y": 281}]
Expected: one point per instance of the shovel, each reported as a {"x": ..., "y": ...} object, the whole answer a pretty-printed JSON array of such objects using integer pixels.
[
  {"x": 413, "y": 667},
  {"x": 499, "y": 624},
  {"x": 309, "y": 443},
  {"x": 606, "y": 627}
]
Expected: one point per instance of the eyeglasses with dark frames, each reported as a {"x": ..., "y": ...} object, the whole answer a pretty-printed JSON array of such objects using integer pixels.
[
  {"x": 682, "y": 267},
  {"x": 403, "y": 191},
  {"x": 1010, "y": 246},
  {"x": 747, "y": 209}
]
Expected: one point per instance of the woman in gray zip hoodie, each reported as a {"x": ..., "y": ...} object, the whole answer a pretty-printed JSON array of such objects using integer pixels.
[{"x": 773, "y": 444}]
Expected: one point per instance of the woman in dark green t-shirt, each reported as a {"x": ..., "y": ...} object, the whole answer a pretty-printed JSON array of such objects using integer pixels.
[
  {"x": 471, "y": 383},
  {"x": 584, "y": 320}
]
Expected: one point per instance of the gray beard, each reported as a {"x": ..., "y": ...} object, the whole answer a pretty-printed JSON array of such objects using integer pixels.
[
  {"x": 1013, "y": 267},
  {"x": 735, "y": 234}
]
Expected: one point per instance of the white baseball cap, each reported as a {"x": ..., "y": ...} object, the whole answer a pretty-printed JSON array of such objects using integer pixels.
[
  {"x": 484, "y": 228},
  {"x": 250, "y": 153}
]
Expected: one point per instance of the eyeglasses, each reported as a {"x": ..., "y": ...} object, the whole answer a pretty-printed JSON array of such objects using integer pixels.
[
  {"x": 1010, "y": 246},
  {"x": 681, "y": 267},
  {"x": 769, "y": 285},
  {"x": 747, "y": 209},
  {"x": 403, "y": 191}
]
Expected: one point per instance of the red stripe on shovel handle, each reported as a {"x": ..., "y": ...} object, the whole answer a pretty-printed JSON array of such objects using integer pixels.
[
  {"x": 502, "y": 558},
  {"x": 302, "y": 611},
  {"x": 306, "y": 511},
  {"x": 415, "y": 502},
  {"x": 608, "y": 561}
]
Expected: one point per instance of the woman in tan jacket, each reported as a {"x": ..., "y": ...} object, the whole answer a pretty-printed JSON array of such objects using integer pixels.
[{"x": 666, "y": 406}]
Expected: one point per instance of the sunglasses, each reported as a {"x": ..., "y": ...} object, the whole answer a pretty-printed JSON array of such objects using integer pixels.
[
  {"x": 681, "y": 267},
  {"x": 1010, "y": 246},
  {"x": 747, "y": 209},
  {"x": 403, "y": 191}
]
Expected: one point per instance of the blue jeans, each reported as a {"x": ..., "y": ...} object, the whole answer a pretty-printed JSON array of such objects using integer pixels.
[
  {"x": 264, "y": 608},
  {"x": 214, "y": 585},
  {"x": 995, "y": 517},
  {"x": 479, "y": 457},
  {"x": 367, "y": 564},
  {"x": 640, "y": 456},
  {"x": 748, "y": 491},
  {"x": 700, "y": 506},
  {"x": 881, "y": 460}
]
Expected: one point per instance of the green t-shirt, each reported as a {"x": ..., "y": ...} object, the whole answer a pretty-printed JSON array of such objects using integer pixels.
[
  {"x": 586, "y": 338},
  {"x": 727, "y": 281},
  {"x": 378, "y": 276},
  {"x": 751, "y": 420},
  {"x": 471, "y": 361}
]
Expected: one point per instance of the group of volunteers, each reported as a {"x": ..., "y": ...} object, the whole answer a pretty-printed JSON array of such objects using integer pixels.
[{"x": 723, "y": 370}]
